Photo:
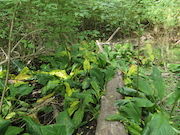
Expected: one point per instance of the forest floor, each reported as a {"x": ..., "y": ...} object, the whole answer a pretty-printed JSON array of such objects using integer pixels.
[{"x": 170, "y": 79}]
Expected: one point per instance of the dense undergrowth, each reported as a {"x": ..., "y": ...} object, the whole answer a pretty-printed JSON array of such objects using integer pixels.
[{"x": 52, "y": 74}]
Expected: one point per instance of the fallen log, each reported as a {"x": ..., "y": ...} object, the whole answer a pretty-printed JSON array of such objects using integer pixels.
[{"x": 105, "y": 127}]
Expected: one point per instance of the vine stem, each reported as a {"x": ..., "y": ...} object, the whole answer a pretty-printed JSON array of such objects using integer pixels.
[
  {"x": 139, "y": 42},
  {"x": 8, "y": 57}
]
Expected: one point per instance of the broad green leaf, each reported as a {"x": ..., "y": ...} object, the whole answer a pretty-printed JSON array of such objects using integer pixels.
[
  {"x": 90, "y": 56},
  {"x": 132, "y": 112},
  {"x": 97, "y": 75},
  {"x": 21, "y": 90},
  {"x": 122, "y": 102},
  {"x": 102, "y": 59},
  {"x": 57, "y": 129},
  {"x": 96, "y": 88},
  {"x": 110, "y": 72},
  {"x": 117, "y": 117},
  {"x": 87, "y": 100},
  {"x": 86, "y": 65},
  {"x": 145, "y": 87},
  {"x": 50, "y": 86},
  {"x": 134, "y": 129},
  {"x": 4, "y": 125},
  {"x": 44, "y": 78},
  {"x": 127, "y": 91},
  {"x": 17, "y": 64},
  {"x": 32, "y": 127},
  {"x": 158, "y": 125},
  {"x": 64, "y": 118},
  {"x": 12, "y": 130},
  {"x": 158, "y": 83},
  {"x": 86, "y": 83},
  {"x": 78, "y": 117},
  {"x": 142, "y": 102}
]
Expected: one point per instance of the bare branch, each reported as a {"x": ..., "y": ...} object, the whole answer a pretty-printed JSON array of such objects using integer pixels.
[
  {"x": 23, "y": 38},
  {"x": 113, "y": 34}
]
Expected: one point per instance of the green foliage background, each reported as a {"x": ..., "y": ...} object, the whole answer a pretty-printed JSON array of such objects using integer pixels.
[{"x": 53, "y": 49}]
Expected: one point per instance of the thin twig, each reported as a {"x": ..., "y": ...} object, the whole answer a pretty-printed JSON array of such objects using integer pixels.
[
  {"x": 139, "y": 42},
  {"x": 4, "y": 61},
  {"x": 8, "y": 57},
  {"x": 23, "y": 38},
  {"x": 113, "y": 34}
]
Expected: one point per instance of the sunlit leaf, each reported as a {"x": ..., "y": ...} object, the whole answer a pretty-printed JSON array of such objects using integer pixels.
[
  {"x": 21, "y": 77},
  {"x": 127, "y": 81},
  {"x": 10, "y": 115},
  {"x": 59, "y": 73},
  {"x": 132, "y": 70},
  {"x": 149, "y": 49},
  {"x": 73, "y": 107},
  {"x": 69, "y": 91},
  {"x": 45, "y": 97},
  {"x": 86, "y": 65}
]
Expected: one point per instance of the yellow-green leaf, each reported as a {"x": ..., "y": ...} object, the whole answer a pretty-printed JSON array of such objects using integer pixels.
[
  {"x": 69, "y": 91},
  {"x": 10, "y": 115},
  {"x": 86, "y": 65},
  {"x": 149, "y": 49},
  {"x": 45, "y": 97},
  {"x": 73, "y": 107},
  {"x": 132, "y": 70},
  {"x": 59, "y": 73}
]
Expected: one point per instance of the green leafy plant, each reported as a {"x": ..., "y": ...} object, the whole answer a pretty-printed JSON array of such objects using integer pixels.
[{"x": 146, "y": 113}]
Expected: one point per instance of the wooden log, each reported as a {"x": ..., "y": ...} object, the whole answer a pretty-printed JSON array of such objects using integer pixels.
[{"x": 107, "y": 108}]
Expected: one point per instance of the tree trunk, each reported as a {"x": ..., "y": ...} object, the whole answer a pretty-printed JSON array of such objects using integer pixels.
[{"x": 107, "y": 108}]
